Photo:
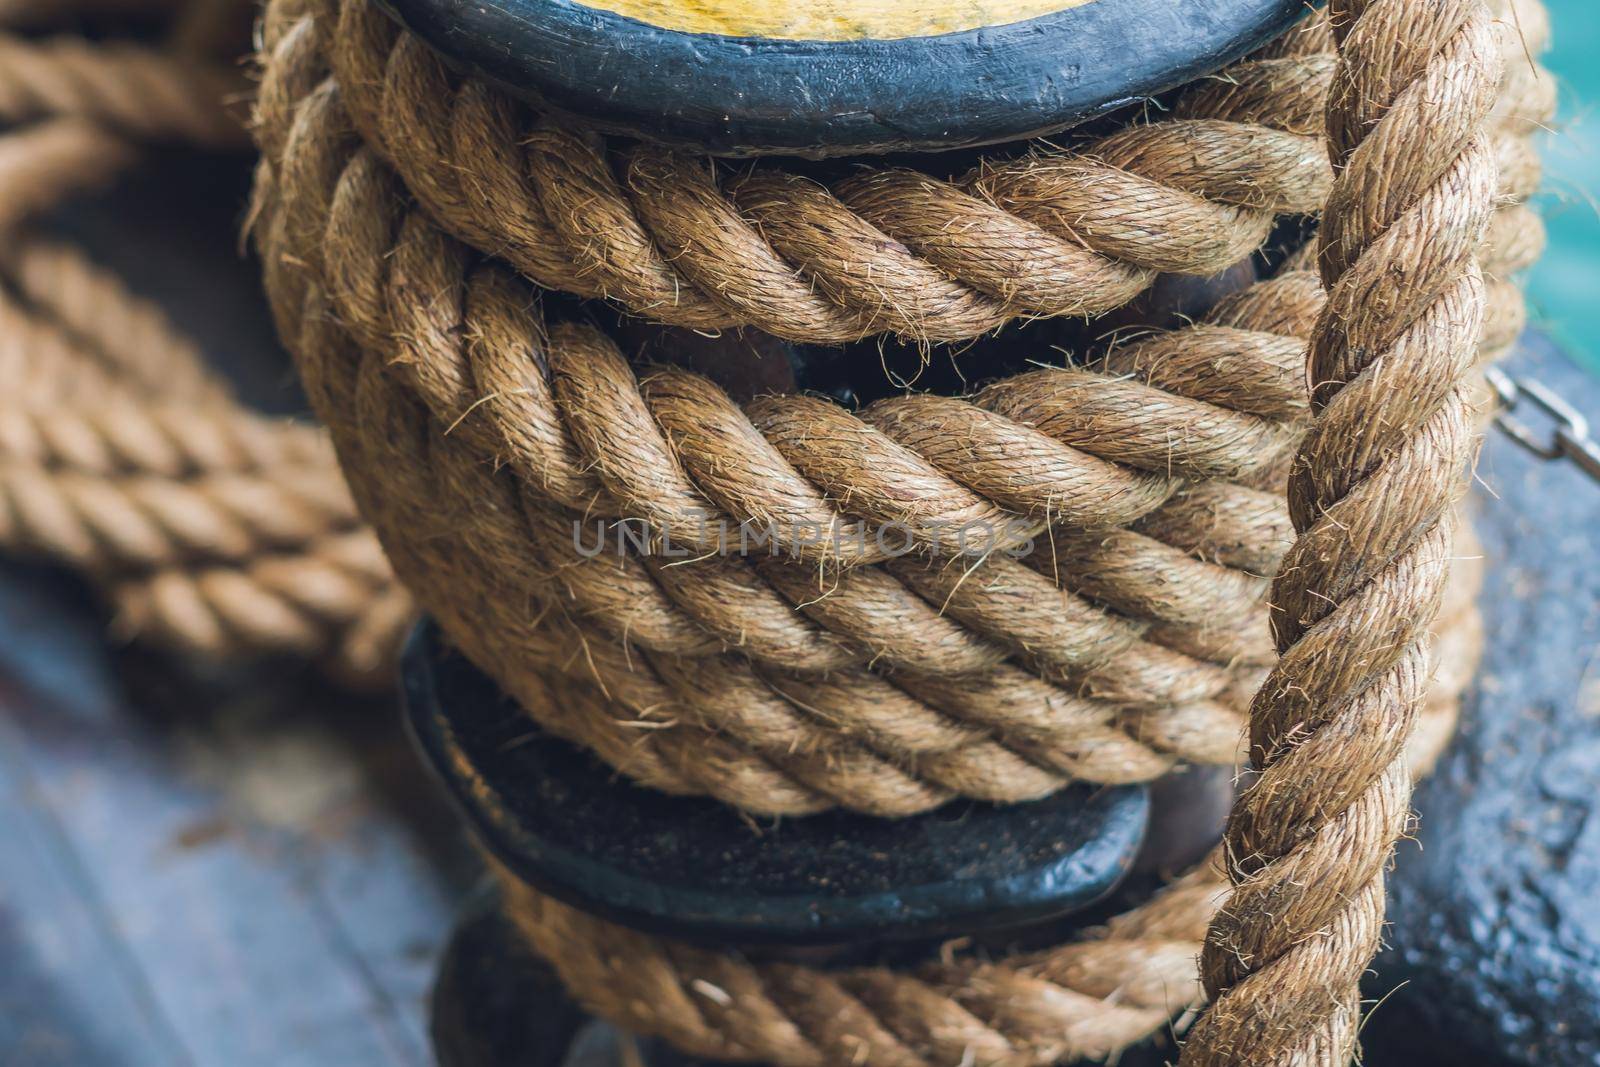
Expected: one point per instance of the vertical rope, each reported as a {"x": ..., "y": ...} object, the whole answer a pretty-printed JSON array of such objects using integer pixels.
[{"x": 1370, "y": 498}]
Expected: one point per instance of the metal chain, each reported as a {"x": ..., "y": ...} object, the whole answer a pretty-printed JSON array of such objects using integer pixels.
[{"x": 1568, "y": 437}]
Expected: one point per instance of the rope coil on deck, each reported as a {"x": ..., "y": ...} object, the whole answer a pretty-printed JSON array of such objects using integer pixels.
[
  {"x": 408, "y": 218},
  {"x": 205, "y": 526}
]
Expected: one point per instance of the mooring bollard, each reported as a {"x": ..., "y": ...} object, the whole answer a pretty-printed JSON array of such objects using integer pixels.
[{"x": 868, "y": 794}]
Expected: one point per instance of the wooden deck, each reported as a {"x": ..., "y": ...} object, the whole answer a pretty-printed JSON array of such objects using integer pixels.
[{"x": 236, "y": 870}]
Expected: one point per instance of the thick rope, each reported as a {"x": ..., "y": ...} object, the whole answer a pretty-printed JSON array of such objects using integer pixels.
[
  {"x": 885, "y": 250},
  {"x": 43, "y": 164},
  {"x": 333, "y": 600},
  {"x": 136, "y": 91},
  {"x": 847, "y": 674},
  {"x": 1109, "y": 988},
  {"x": 671, "y": 240},
  {"x": 1371, "y": 500},
  {"x": 210, "y": 529},
  {"x": 989, "y": 601},
  {"x": 55, "y": 291}
]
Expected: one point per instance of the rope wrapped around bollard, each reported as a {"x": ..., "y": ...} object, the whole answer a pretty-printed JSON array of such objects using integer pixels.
[{"x": 408, "y": 218}]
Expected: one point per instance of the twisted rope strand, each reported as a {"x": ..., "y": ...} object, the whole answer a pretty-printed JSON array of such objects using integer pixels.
[
  {"x": 886, "y": 250},
  {"x": 425, "y": 366},
  {"x": 44, "y": 163},
  {"x": 799, "y": 260},
  {"x": 299, "y": 602},
  {"x": 175, "y": 441},
  {"x": 133, "y": 90},
  {"x": 1090, "y": 998},
  {"x": 1370, "y": 499},
  {"x": 133, "y": 521},
  {"x": 132, "y": 338}
]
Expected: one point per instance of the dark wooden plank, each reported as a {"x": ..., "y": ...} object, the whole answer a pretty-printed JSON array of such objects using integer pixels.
[
  {"x": 255, "y": 886},
  {"x": 216, "y": 867},
  {"x": 70, "y": 994}
]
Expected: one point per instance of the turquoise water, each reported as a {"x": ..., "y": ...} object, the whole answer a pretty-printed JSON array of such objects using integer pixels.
[{"x": 1565, "y": 287}]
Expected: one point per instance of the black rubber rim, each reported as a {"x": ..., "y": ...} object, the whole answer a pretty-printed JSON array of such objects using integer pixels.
[
  {"x": 746, "y": 95},
  {"x": 489, "y": 757}
]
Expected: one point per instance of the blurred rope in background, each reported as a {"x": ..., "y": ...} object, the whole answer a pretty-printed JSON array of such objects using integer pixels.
[{"x": 204, "y": 525}]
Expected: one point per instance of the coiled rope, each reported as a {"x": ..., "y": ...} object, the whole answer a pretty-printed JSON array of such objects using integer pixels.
[
  {"x": 920, "y": 680},
  {"x": 206, "y": 526},
  {"x": 407, "y": 219}
]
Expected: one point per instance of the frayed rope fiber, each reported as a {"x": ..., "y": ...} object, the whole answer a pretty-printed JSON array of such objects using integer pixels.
[{"x": 407, "y": 219}]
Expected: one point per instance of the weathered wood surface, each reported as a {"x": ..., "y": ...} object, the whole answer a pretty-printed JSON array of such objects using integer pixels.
[{"x": 242, "y": 870}]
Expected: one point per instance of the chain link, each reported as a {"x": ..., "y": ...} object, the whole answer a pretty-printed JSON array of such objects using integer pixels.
[{"x": 1567, "y": 438}]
